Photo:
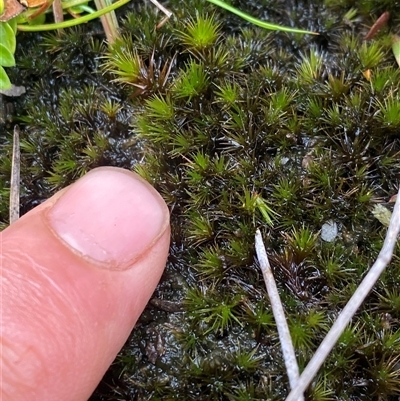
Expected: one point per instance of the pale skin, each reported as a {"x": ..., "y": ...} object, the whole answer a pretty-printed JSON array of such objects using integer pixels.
[{"x": 76, "y": 273}]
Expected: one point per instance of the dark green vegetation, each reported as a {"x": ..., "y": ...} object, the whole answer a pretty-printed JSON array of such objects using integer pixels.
[{"x": 238, "y": 128}]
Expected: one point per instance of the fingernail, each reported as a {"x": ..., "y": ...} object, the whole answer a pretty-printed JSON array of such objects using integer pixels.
[{"x": 110, "y": 216}]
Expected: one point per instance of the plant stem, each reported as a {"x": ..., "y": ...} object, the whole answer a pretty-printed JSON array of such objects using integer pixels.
[
  {"x": 258, "y": 22},
  {"x": 73, "y": 22}
]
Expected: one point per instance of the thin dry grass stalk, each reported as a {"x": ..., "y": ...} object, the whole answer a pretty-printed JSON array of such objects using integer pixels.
[
  {"x": 108, "y": 21},
  {"x": 15, "y": 178},
  {"x": 165, "y": 11}
]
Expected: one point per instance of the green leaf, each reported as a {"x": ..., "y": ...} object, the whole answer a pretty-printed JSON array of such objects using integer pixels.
[
  {"x": 396, "y": 48},
  {"x": 6, "y": 57},
  {"x": 7, "y": 36},
  {"x": 4, "y": 80},
  {"x": 258, "y": 22},
  {"x": 13, "y": 24}
]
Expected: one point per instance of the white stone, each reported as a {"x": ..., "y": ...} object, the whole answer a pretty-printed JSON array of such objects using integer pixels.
[{"x": 329, "y": 231}]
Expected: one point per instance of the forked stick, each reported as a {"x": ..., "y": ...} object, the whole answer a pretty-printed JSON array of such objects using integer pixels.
[{"x": 384, "y": 257}]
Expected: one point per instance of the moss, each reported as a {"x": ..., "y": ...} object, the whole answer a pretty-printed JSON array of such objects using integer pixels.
[{"x": 238, "y": 129}]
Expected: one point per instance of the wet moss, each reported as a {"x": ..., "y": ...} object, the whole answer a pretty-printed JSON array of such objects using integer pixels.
[{"x": 238, "y": 129}]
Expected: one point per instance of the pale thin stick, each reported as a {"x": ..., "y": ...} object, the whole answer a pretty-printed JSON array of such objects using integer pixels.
[
  {"x": 58, "y": 12},
  {"x": 15, "y": 176},
  {"x": 165, "y": 11},
  {"x": 162, "y": 8},
  {"x": 384, "y": 257},
  {"x": 279, "y": 315},
  {"x": 108, "y": 21}
]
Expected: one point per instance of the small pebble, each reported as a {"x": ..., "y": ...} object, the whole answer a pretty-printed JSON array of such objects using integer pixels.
[
  {"x": 329, "y": 231},
  {"x": 14, "y": 91}
]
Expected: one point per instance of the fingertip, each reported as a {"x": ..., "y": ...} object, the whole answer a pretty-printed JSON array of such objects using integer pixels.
[{"x": 74, "y": 303}]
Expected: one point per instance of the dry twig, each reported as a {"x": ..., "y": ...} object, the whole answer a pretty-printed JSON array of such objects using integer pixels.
[
  {"x": 58, "y": 12},
  {"x": 108, "y": 21},
  {"x": 279, "y": 315},
  {"x": 15, "y": 176},
  {"x": 384, "y": 257},
  {"x": 165, "y": 11}
]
